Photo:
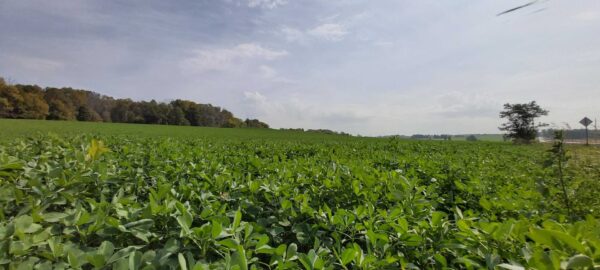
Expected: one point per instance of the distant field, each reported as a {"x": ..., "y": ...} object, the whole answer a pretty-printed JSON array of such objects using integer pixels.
[
  {"x": 481, "y": 137},
  {"x": 11, "y": 128},
  {"x": 25, "y": 127}
]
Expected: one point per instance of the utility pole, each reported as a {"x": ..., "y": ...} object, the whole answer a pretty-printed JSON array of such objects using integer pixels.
[
  {"x": 586, "y": 122},
  {"x": 587, "y": 136}
]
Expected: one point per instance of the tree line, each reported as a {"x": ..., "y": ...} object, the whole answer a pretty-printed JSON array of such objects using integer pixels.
[
  {"x": 322, "y": 131},
  {"x": 34, "y": 102},
  {"x": 569, "y": 134},
  {"x": 445, "y": 137}
]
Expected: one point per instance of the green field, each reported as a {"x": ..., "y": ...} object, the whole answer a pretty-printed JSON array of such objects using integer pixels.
[
  {"x": 11, "y": 128},
  {"x": 481, "y": 137},
  {"x": 79, "y": 195}
]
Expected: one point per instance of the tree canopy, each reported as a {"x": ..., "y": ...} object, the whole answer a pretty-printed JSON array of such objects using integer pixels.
[
  {"x": 34, "y": 102},
  {"x": 521, "y": 126}
]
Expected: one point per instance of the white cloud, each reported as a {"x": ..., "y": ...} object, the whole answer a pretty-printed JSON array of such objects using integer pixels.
[
  {"x": 330, "y": 18},
  {"x": 272, "y": 75},
  {"x": 268, "y": 72},
  {"x": 292, "y": 34},
  {"x": 384, "y": 44},
  {"x": 465, "y": 105},
  {"x": 255, "y": 97},
  {"x": 268, "y": 4},
  {"x": 224, "y": 58},
  {"x": 293, "y": 112},
  {"x": 587, "y": 16},
  {"x": 250, "y": 50},
  {"x": 329, "y": 31},
  {"x": 35, "y": 64}
]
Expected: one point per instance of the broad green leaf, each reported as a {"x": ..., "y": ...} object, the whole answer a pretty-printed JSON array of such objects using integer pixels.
[
  {"x": 237, "y": 219},
  {"x": 135, "y": 259},
  {"x": 291, "y": 252},
  {"x": 580, "y": 262},
  {"x": 487, "y": 205},
  {"x": 216, "y": 229},
  {"x": 182, "y": 262},
  {"x": 54, "y": 216},
  {"x": 239, "y": 258},
  {"x": 122, "y": 253},
  {"x": 463, "y": 226},
  {"x": 511, "y": 266},
  {"x": 230, "y": 243},
  {"x": 440, "y": 259},
  {"x": 97, "y": 260},
  {"x": 107, "y": 249},
  {"x": 436, "y": 218},
  {"x": 139, "y": 223},
  {"x": 554, "y": 238},
  {"x": 348, "y": 255}
]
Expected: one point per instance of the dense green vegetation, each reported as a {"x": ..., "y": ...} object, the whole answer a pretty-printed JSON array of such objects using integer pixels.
[
  {"x": 147, "y": 197},
  {"x": 33, "y": 102},
  {"x": 480, "y": 137}
]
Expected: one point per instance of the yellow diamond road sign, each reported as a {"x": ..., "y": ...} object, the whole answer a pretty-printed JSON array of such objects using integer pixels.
[{"x": 585, "y": 121}]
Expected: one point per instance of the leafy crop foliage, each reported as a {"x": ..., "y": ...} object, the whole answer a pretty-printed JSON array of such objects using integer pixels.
[{"x": 130, "y": 202}]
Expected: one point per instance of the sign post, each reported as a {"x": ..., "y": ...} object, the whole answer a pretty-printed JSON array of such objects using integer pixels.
[{"x": 586, "y": 122}]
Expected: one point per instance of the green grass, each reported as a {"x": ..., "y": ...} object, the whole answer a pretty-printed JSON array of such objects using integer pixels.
[
  {"x": 481, "y": 137},
  {"x": 14, "y": 128}
]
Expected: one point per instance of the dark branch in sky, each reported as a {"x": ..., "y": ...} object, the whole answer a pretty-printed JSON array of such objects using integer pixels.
[{"x": 516, "y": 8}]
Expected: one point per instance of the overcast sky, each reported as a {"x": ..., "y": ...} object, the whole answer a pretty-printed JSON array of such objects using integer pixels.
[{"x": 364, "y": 67}]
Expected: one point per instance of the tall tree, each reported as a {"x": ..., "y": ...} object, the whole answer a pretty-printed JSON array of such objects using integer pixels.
[
  {"x": 61, "y": 107},
  {"x": 84, "y": 113},
  {"x": 60, "y": 111},
  {"x": 10, "y": 100},
  {"x": 177, "y": 117},
  {"x": 35, "y": 107},
  {"x": 255, "y": 123},
  {"x": 521, "y": 126}
]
